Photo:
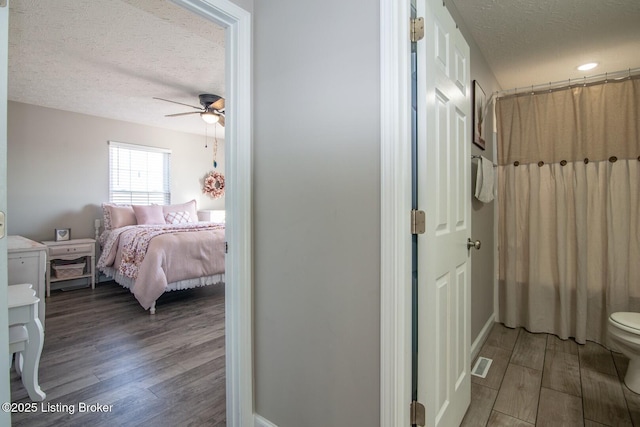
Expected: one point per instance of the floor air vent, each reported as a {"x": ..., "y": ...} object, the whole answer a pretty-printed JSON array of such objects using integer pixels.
[{"x": 482, "y": 367}]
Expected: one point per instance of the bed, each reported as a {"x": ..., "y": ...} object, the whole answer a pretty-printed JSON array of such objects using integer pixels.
[{"x": 156, "y": 249}]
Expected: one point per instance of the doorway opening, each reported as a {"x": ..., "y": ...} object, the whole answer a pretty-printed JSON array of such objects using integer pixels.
[{"x": 237, "y": 24}]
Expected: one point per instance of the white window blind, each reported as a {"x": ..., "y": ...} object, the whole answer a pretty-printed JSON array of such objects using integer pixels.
[{"x": 139, "y": 175}]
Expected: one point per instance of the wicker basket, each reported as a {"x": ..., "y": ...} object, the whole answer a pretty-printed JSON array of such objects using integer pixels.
[{"x": 68, "y": 271}]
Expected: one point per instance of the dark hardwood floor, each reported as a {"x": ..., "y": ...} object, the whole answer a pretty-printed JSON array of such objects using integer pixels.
[{"x": 101, "y": 347}]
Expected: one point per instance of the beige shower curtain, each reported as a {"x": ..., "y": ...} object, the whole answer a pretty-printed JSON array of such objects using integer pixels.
[{"x": 569, "y": 206}]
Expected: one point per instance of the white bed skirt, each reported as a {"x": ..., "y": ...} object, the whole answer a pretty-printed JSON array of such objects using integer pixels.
[{"x": 127, "y": 282}]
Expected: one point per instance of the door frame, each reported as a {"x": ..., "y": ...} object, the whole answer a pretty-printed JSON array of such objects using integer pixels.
[
  {"x": 395, "y": 205},
  {"x": 238, "y": 160},
  {"x": 5, "y": 379}
]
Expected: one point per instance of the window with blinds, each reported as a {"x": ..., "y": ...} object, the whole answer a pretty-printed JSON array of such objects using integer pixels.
[{"x": 139, "y": 175}]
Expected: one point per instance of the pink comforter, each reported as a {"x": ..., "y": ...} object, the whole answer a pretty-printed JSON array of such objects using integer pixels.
[{"x": 173, "y": 253}]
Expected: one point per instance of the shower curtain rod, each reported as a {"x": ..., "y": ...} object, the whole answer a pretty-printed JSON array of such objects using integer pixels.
[{"x": 617, "y": 75}]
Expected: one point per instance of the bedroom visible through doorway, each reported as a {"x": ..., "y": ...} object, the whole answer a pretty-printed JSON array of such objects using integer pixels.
[{"x": 232, "y": 244}]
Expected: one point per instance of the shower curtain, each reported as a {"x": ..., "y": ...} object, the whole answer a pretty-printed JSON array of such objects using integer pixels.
[{"x": 569, "y": 205}]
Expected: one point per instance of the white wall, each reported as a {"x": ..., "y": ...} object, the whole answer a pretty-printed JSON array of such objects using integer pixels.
[
  {"x": 58, "y": 168},
  {"x": 316, "y": 212}
]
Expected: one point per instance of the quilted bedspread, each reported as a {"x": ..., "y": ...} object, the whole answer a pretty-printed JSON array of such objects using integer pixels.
[{"x": 155, "y": 255}]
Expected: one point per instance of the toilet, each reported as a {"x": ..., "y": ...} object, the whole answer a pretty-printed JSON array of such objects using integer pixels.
[{"x": 624, "y": 336}]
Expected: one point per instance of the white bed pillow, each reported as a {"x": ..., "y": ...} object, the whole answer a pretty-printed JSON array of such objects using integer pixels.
[
  {"x": 181, "y": 217},
  {"x": 188, "y": 208}
]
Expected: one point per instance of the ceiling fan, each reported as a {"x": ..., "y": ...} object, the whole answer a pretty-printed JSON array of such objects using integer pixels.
[{"x": 212, "y": 110}]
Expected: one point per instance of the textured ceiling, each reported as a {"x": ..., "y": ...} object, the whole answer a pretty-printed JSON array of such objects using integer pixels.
[
  {"x": 530, "y": 42},
  {"x": 109, "y": 58}
]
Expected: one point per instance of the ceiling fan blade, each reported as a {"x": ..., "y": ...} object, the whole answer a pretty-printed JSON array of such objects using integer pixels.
[
  {"x": 221, "y": 121},
  {"x": 218, "y": 105},
  {"x": 183, "y": 114},
  {"x": 176, "y": 102}
]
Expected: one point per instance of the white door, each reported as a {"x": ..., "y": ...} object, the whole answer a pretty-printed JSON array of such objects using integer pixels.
[
  {"x": 5, "y": 395},
  {"x": 443, "y": 163}
]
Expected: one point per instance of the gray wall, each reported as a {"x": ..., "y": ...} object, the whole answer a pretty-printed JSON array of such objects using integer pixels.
[
  {"x": 244, "y": 4},
  {"x": 316, "y": 217},
  {"x": 58, "y": 168},
  {"x": 316, "y": 212}
]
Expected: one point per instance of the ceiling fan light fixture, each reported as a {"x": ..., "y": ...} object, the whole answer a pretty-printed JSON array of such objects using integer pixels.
[
  {"x": 211, "y": 112},
  {"x": 588, "y": 66},
  {"x": 210, "y": 117}
]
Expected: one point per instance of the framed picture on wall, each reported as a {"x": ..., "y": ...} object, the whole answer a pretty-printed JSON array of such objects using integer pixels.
[
  {"x": 479, "y": 101},
  {"x": 62, "y": 234}
]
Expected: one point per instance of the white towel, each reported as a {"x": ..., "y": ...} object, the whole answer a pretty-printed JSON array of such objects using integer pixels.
[{"x": 484, "y": 180}]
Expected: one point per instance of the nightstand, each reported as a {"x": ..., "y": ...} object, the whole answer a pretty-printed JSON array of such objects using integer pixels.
[{"x": 69, "y": 250}]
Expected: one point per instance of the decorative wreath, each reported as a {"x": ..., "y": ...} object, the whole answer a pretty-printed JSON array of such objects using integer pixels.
[{"x": 214, "y": 185}]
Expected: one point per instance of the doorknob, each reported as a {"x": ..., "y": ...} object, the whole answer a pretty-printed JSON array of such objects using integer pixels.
[{"x": 471, "y": 244}]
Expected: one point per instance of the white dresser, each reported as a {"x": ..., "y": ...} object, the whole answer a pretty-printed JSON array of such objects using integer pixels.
[
  {"x": 211, "y": 215},
  {"x": 27, "y": 263}
]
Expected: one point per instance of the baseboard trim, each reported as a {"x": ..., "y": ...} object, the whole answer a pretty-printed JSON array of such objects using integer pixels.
[
  {"x": 262, "y": 422},
  {"x": 482, "y": 337}
]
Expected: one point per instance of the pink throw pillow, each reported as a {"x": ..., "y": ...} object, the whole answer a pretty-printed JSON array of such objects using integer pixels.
[
  {"x": 122, "y": 216},
  {"x": 149, "y": 214},
  {"x": 106, "y": 216}
]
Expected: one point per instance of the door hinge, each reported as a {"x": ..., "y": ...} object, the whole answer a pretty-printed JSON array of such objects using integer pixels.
[
  {"x": 226, "y": 248},
  {"x": 417, "y": 29},
  {"x": 418, "y": 416},
  {"x": 417, "y": 222}
]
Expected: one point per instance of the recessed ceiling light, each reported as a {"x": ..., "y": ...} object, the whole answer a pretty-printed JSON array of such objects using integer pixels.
[{"x": 589, "y": 66}]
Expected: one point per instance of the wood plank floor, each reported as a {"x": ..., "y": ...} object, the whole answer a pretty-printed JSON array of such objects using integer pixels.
[
  {"x": 540, "y": 380},
  {"x": 101, "y": 347}
]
